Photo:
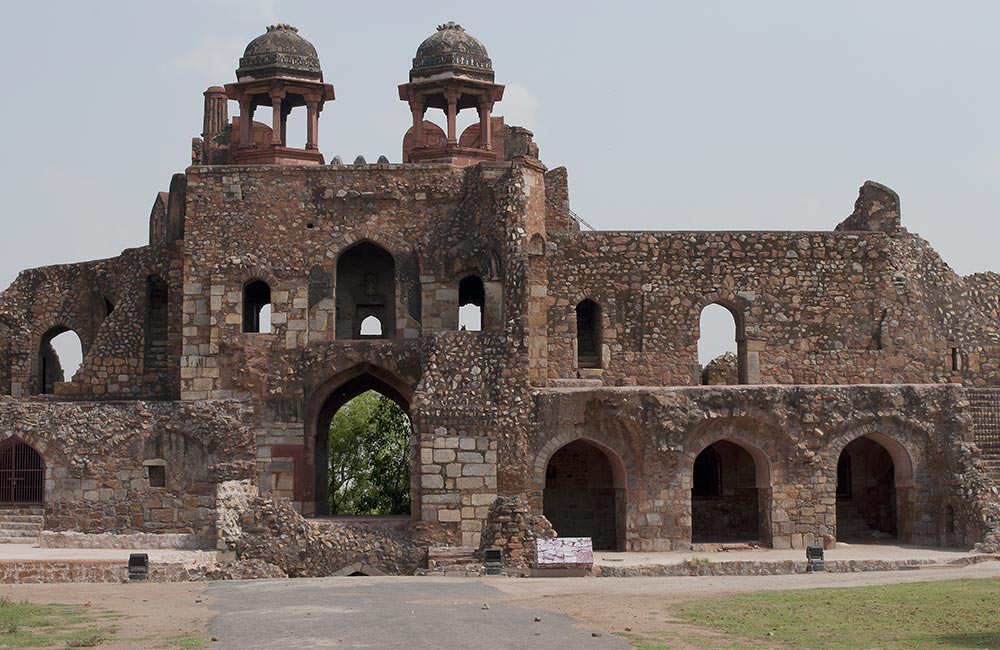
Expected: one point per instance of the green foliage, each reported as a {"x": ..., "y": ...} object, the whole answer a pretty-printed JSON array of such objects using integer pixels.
[
  {"x": 369, "y": 458},
  {"x": 949, "y": 614}
]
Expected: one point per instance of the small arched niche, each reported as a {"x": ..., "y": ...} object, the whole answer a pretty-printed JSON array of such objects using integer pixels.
[
  {"x": 22, "y": 474},
  {"x": 257, "y": 307}
]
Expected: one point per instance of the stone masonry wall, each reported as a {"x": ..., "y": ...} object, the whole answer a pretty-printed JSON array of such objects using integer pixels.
[
  {"x": 795, "y": 435},
  {"x": 97, "y": 457},
  {"x": 77, "y": 297}
]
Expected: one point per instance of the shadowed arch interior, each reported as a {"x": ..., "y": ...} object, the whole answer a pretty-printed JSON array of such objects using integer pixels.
[
  {"x": 585, "y": 494},
  {"x": 874, "y": 475},
  {"x": 50, "y": 366},
  {"x": 366, "y": 287},
  {"x": 730, "y": 494}
]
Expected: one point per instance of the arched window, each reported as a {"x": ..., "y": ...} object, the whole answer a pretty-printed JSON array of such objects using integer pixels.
[
  {"x": 371, "y": 326},
  {"x": 588, "y": 334},
  {"x": 60, "y": 354},
  {"x": 720, "y": 347},
  {"x": 257, "y": 307},
  {"x": 471, "y": 303},
  {"x": 366, "y": 286}
]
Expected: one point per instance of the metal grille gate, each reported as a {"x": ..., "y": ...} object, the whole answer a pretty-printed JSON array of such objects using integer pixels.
[{"x": 22, "y": 474}]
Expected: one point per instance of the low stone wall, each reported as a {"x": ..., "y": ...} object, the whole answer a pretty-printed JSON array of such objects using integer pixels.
[
  {"x": 53, "y": 539},
  {"x": 271, "y": 531},
  {"x": 706, "y": 567}
]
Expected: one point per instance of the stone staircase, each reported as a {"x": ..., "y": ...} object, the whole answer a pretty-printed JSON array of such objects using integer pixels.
[
  {"x": 21, "y": 525},
  {"x": 984, "y": 405},
  {"x": 453, "y": 561}
]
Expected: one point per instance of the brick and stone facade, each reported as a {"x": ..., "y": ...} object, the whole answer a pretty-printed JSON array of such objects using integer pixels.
[{"x": 580, "y": 396}]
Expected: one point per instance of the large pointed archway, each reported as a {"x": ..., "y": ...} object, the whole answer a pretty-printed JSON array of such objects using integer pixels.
[
  {"x": 874, "y": 478},
  {"x": 585, "y": 494},
  {"x": 330, "y": 398},
  {"x": 730, "y": 494}
]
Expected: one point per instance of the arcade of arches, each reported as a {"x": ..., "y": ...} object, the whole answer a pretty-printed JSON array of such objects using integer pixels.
[{"x": 586, "y": 493}]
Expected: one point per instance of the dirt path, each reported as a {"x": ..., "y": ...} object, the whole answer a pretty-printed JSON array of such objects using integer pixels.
[{"x": 152, "y": 613}]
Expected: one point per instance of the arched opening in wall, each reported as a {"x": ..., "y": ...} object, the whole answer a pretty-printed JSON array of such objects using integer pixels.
[
  {"x": 730, "y": 495},
  {"x": 720, "y": 346},
  {"x": 588, "y": 334},
  {"x": 157, "y": 324},
  {"x": 257, "y": 307},
  {"x": 585, "y": 494},
  {"x": 22, "y": 474},
  {"x": 371, "y": 326},
  {"x": 366, "y": 286},
  {"x": 471, "y": 303},
  {"x": 868, "y": 492},
  {"x": 363, "y": 451},
  {"x": 60, "y": 354}
]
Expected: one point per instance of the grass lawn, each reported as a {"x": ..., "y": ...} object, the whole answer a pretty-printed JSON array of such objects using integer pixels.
[
  {"x": 29, "y": 625},
  {"x": 957, "y": 614}
]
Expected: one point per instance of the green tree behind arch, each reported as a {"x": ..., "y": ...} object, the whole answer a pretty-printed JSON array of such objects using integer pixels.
[{"x": 370, "y": 457}]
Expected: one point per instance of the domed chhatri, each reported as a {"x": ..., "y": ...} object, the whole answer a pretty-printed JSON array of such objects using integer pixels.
[
  {"x": 451, "y": 72},
  {"x": 280, "y": 52},
  {"x": 452, "y": 49}
]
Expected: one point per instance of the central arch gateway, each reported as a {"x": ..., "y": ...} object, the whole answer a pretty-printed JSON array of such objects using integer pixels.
[{"x": 330, "y": 398}]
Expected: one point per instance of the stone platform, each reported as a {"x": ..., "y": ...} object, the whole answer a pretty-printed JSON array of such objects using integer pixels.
[{"x": 26, "y": 563}]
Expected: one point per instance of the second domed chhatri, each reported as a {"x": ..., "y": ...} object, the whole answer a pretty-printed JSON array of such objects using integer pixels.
[
  {"x": 280, "y": 52},
  {"x": 452, "y": 49},
  {"x": 452, "y": 72}
]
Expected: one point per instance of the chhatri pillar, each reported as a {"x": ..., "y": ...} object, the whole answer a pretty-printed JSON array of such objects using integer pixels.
[{"x": 451, "y": 71}]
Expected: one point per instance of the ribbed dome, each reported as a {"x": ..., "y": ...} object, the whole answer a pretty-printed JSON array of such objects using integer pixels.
[
  {"x": 452, "y": 49},
  {"x": 280, "y": 52}
]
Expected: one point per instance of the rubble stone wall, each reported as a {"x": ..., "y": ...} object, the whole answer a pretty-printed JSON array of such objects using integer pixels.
[
  {"x": 97, "y": 457},
  {"x": 795, "y": 436}
]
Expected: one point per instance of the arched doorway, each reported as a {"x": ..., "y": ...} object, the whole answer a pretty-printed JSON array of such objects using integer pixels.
[
  {"x": 730, "y": 495},
  {"x": 585, "y": 494},
  {"x": 873, "y": 475},
  {"x": 364, "y": 449},
  {"x": 22, "y": 474}
]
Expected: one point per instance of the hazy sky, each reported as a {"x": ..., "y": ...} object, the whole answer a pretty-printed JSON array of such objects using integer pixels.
[{"x": 669, "y": 115}]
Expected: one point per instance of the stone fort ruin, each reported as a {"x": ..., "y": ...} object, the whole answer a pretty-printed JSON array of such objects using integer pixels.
[{"x": 862, "y": 400}]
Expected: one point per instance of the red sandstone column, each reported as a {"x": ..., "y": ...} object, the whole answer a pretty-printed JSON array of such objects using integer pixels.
[
  {"x": 276, "y": 119},
  {"x": 485, "y": 126},
  {"x": 246, "y": 122},
  {"x": 312, "y": 125},
  {"x": 452, "y": 97},
  {"x": 417, "y": 108}
]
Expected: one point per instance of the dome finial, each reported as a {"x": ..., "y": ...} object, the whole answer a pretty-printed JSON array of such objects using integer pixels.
[
  {"x": 283, "y": 26},
  {"x": 450, "y": 25}
]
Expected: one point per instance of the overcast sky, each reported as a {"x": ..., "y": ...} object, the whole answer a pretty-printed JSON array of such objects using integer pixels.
[{"x": 669, "y": 115}]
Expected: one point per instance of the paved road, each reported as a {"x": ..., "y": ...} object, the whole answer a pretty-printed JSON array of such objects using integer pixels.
[{"x": 435, "y": 613}]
